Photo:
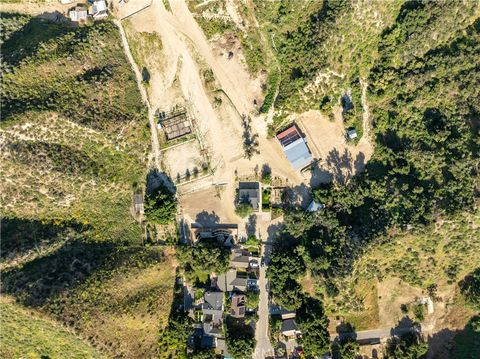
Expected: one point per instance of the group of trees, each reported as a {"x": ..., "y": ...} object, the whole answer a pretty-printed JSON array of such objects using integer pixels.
[
  {"x": 160, "y": 206},
  {"x": 425, "y": 112},
  {"x": 240, "y": 339},
  {"x": 408, "y": 346},
  {"x": 284, "y": 271},
  {"x": 202, "y": 259}
]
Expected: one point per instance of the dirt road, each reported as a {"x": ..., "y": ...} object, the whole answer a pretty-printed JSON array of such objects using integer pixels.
[
  {"x": 143, "y": 92},
  {"x": 185, "y": 49},
  {"x": 367, "y": 335}
]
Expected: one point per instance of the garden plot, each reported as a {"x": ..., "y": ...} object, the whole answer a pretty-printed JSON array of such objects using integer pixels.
[{"x": 184, "y": 162}]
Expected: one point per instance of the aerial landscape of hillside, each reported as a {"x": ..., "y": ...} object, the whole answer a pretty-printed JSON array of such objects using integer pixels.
[{"x": 240, "y": 179}]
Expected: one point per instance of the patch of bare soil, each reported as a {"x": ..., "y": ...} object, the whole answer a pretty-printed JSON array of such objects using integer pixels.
[
  {"x": 186, "y": 52},
  {"x": 327, "y": 142},
  {"x": 392, "y": 293}
]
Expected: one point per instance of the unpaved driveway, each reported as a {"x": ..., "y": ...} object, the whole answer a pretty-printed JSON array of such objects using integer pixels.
[{"x": 184, "y": 45}]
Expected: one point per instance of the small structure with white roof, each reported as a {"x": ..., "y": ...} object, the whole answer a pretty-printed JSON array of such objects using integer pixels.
[
  {"x": 99, "y": 10},
  {"x": 78, "y": 13},
  {"x": 351, "y": 134}
]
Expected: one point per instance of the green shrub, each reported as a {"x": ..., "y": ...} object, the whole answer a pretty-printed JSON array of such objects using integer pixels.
[
  {"x": 160, "y": 206},
  {"x": 244, "y": 209}
]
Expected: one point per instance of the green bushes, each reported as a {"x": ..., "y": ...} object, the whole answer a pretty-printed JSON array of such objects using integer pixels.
[
  {"x": 272, "y": 82},
  {"x": 470, "y": 288},
  {"x": 253, "y": 298},
  {"x": 313, "y": 324},
  {"x": 214, "y": 26},
  {"x": 244, "y": 209},
  {"x": 25, "y": 335},
  {"x": 160, "y": 206},
  {"x": 409, "y": 345},
  {"x": 240, "y": 339}
]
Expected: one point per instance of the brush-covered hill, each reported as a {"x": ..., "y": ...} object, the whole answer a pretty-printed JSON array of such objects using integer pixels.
[
  {"x": 74, "y": 141},
  {"x": 28, "y": 336}
]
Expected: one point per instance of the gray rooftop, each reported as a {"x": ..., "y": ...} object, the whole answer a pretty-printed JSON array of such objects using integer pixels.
[
  {"x": 228, "y": 281},
  {"x": 289, "y": 325},
  {"x": 213, "y": 300},
  {"x": 249, "y": 192},
  {"x": 298, "y": 153}
]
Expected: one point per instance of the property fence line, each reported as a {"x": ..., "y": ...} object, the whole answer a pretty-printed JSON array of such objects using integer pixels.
[{"x": 137, "y": 11}]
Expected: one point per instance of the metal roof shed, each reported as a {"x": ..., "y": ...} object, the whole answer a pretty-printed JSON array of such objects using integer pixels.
[
  {"x": 295, "y": 147},
  {"x": 298, "y": 154}
]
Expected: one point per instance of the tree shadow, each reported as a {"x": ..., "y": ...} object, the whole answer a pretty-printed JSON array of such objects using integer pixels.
[
  {"x": 298, "y": 196},
  {"x": 346, "y": 102},
  {"x": 47, "y": 277},
  {"x": 250, "y": 140},
  {"x": 345, "y": 331},
  {"x": 251, "y": 225},
  {"x": 19, "y": 236},
  {"x": 404, "y": 325},
  {"x": 459, "y": 343},
  {"x": 266, "y": 172},
  {"x": 319, "y": 175},
  {"x": 207, "y": 219},
  {"x": 27, "y": 40},
  {"x": 359, "y": 163},
  {"x": 157, "y": 179},
  {"x": 340, "y": 165}
]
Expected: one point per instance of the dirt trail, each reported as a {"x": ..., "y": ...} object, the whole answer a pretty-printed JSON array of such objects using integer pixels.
[
  {"x": 182, "y": 42},
  {"x": 366, "y": 111},
  {"x": 182, "y": 20},
  {"x": 143, "y": 93}
]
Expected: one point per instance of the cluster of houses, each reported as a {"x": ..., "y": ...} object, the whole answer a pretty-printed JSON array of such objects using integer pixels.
[
  {"x": 96, "y": 9},
  {"x": 226, "y": 293}
]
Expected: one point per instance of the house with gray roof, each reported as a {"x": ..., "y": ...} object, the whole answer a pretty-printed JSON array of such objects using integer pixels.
[
  {"x": 212, "y": 313},
  {"x": 249, "y": 192},
  {"x": 239, "y": 259},
  {"x": 231, "y": 281},
  {"x": 289, "y": 328}
]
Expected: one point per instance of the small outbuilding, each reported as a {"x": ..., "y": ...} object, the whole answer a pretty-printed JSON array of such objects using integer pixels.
[{"x": 351, "y": 133}]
